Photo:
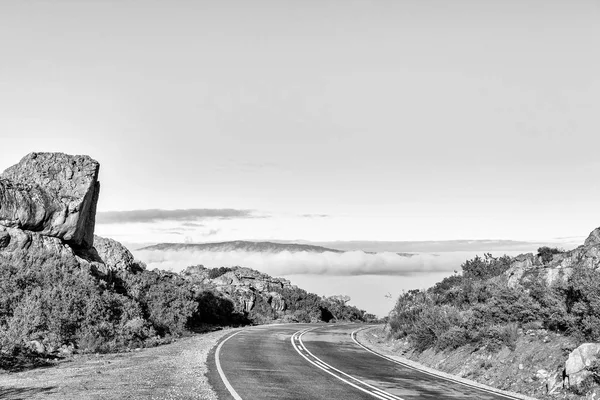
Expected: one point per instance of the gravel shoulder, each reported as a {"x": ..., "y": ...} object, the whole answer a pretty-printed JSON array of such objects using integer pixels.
[{"x": 174, "y": 371}]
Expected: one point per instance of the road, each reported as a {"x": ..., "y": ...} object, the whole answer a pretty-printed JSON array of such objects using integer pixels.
[{"x": 304, "y": 361}]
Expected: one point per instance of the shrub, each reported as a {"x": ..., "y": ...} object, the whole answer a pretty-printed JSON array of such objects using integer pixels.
[
  {"x": 547, "y": 253},
  {"x": 484, "y": 268},
  {"x": 432, "y": 324}
]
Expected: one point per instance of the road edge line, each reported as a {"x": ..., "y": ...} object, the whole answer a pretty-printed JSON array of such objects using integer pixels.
[
  {"x": 232, "y": 391},
  {"x": 442, "y": 375}
]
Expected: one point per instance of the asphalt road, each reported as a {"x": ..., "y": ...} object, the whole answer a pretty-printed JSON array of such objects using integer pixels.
[{"x": 303, "y": 361}]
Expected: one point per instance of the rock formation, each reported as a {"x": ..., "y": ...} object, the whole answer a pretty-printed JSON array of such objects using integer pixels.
[
  {"x": 114, "y": 255},
  {"x": 526, "y": 267},
  {"x": 243, "y": 286},
  {"x": 53, "y": 194},
  {"x": 48, "y": 206}
]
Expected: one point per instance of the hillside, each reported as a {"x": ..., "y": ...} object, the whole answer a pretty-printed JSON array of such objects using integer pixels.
[
  {"x": 64, "y": 290},
  {"x": 529, "y": 323}
]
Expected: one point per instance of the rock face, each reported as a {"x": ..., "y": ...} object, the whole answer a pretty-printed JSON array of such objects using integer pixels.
[
  {"x": 53, "y": 194},
  {"x": 578, "y": 361},
  {"x": 527, "y": 267}
]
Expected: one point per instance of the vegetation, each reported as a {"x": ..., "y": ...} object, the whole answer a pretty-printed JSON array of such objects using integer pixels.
[
  {"x": 479, "y": 308},
  {"x": 547, "y": 253},
  {"x": 56, "y": 303}
]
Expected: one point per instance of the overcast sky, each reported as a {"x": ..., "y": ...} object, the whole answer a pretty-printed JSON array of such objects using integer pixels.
[{"x": 315, "y": 120}]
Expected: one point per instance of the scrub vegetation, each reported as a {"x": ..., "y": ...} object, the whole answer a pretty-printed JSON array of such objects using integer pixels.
[
  {"x": 480, "y": 308},
  {"x": 52, "y": 306}
]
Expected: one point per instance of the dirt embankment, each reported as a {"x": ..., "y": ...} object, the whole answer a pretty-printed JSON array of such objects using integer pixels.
[
  {"x": 518, "y": 370},
  {"x": 173, "y": 371}
]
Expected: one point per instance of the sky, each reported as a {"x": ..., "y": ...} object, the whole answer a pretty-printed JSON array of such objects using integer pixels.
[{"x": 404, "y": 120}]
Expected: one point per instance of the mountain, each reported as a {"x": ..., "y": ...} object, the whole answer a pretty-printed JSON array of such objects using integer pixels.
[{"x": 240, "y": 245}]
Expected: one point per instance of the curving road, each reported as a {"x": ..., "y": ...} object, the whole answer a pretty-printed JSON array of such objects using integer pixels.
[{"x": 304, "y": 361}]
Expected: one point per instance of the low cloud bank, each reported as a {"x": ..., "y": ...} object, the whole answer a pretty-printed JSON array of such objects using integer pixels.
[
  {"x": 350, "y": 263},
  {"x": 155, "y": 215}
]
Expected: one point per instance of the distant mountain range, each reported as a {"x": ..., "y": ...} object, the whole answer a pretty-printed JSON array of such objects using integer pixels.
[
  {"x": 251, "y": 247},
  {"x": 241, "y": 245}
]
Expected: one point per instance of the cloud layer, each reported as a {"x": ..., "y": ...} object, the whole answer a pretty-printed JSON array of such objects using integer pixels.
[
  {"x": 157, "y": 215},
  {"x": 349, "y": 263}
]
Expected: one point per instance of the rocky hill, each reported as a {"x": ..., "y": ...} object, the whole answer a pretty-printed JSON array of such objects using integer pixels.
[{"x": 244, "y": 286}]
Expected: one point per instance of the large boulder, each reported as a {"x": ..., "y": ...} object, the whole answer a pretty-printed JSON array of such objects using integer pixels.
[
  {"x": 578, "y": 362},
  {"x": 114, "y": 255},
  {"x": 53, "y": 194}
]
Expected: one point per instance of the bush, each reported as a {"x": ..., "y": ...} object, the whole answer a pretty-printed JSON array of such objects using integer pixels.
[
  {"x": 485, "y": 268},
  {"x": 432, "y": 324},
  {"x": 547, "y": 253}
]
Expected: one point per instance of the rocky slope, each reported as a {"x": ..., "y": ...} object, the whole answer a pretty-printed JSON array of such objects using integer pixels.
[{"x": 527, "y": 324}]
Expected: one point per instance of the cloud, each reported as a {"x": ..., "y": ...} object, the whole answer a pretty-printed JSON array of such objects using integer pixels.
[
  {"x": 156, "y": 215},
  {"x": 434, "y": 246},
  {"x": 314, "y": 215},
  {"x": 349, "y": 263},
  {"x": 192, "y": 224}
]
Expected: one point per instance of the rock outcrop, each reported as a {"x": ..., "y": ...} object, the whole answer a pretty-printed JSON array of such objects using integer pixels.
[
  {"x": 527, "y": 267},
  {"x": 48, "y": 207},
  {"x": 114, "y": 255},
  {"x": 243, "y": 286},
  {"x": 53, "y": 194}
]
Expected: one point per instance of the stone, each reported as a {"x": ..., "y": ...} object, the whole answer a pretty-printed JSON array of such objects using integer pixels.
[
  {"x": 37, "y": 346},
  {"x": 541, "y": 374},
  {"x": 114, "y": 255},
  {"x": 581, "y": 357},
  {"x": 578, "y": 361},
  {"x": 53, "y": 194}
]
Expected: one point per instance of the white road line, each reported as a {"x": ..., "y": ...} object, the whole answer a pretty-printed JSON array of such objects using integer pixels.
[
  {"x": 220, "y": 370},
  {"x": 353, "y": 335},
  {"x": 322, "y": 365},
  {"x": 342, "y": 372},
  {"x": 385, "y": 394},
  {"x": 328, "y": 367}
]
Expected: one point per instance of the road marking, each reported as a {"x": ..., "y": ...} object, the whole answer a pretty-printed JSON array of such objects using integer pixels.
[
  {"x": 220, "y": 370},
  {"x": 353, "y": 335},
  {"x": 301, "y": 348},
  {"x": 385, "y": 394}
]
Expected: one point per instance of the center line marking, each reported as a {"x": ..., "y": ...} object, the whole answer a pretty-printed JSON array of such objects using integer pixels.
[{"x": 316, "y": 361}]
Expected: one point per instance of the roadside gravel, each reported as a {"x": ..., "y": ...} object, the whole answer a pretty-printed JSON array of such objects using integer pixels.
[{"x": 173, "y": 371}]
